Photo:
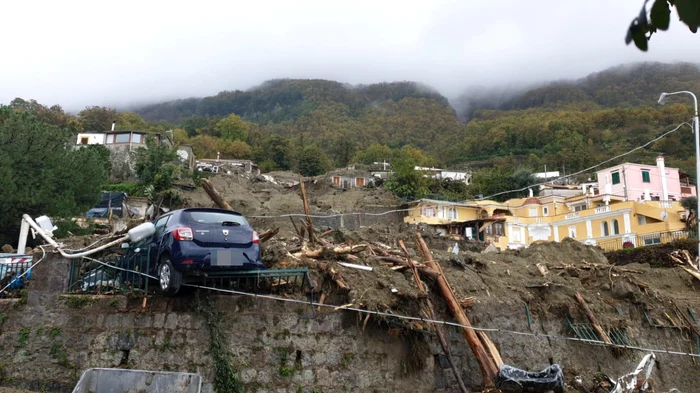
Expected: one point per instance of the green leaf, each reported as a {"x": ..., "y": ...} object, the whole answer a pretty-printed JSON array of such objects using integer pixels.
[
  {"x": 689, "y": 13},
  {"x": 640, "y": 40},
  {"x": 660, "y": 14}
]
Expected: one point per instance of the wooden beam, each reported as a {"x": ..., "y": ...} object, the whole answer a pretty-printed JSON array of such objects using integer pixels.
[
  {"x": 488, "y": 367},
  {"x": 267, "y": 235},
  {"x": 214, "y": 195},
  {"x": 431, "y": 315},
  {"x": 307, "y": 210},
  {"x": 592, "y": 319}
]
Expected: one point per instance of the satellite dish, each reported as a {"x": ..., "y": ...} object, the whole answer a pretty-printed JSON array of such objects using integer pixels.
[
  {"x": 183, "y": 155},
  {"x": 664, "y": 215}
]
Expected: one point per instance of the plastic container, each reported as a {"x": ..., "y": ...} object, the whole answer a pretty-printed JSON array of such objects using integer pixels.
[{"x": 117, "y": 380}]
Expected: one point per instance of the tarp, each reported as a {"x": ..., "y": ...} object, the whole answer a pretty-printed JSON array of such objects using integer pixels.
[{"x": 109, "y": 199}]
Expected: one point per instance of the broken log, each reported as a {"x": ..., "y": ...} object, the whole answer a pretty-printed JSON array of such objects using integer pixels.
[
  {"x": 267, "y": 235},
  {"x": 431, "y": 315},
  {"x": 467, "y": 302},
  {"x": 295, "y": 228},
  {"x": 349, "y": 249},
  {"x": 214, "y": 195},
  {"x": 488, "y": 367},
  {"x": 492, "y": 348},
  {"x": 307, "y": 211},
  {"x": 334, "y": 275},
  {"x": 686, "y": 319},
  {"x": 326, "y": 233},
  {"x": 542, "y": 268},
  {"x": 592, "y": 319},
  {"x": 692, "y": 272}
]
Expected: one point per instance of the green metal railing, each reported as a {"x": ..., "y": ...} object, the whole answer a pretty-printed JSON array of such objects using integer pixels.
[
  {"x": 585, "y": 331},
  {"x": 117, "y": 274},
  {"x": 646, "y": 240},
  {"x": 257, "y": 281}
]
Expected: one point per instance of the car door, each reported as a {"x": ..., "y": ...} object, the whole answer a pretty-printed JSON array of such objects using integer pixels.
[{"x": 156, "y": 240}]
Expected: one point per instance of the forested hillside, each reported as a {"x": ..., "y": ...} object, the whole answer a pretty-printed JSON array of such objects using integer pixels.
[
  {"x": 312, "y": 126},
  {"x": 622, "y": 86}
]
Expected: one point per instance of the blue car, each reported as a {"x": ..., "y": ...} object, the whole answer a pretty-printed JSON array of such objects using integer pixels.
[{"x": 188, "y": 243}]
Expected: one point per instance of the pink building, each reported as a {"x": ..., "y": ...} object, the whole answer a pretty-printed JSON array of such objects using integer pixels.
[{"x": 635, "y": 182}]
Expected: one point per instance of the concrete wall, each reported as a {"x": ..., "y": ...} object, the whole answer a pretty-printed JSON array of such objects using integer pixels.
[{"x": 46, "y": 343}]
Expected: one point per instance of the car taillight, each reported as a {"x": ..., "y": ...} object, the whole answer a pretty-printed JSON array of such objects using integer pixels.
[
  {"x": 183, "y": 233},
  {"x": 256, "y": 238}
]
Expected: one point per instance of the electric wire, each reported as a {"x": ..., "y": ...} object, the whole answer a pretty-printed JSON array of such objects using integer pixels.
[{"x": 589, "y": 168}]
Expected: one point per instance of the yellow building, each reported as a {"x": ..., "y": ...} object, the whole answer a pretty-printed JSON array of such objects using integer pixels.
[{"x": 604, "y": 220}]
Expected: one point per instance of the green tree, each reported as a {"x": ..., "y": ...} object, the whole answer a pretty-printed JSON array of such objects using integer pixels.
[
  {"x": 130, "y": 121},
  {"x": 232, "y": 128},
  {"x": 374, "y": 153},
  {"x": 688, "y": 12},
  {"x": 41, "y": 174},
  {"x": 274, "y": 153},
  {"x": 53, "y": 115},
  {"x": 154, "y": 165},
  {"x": 405, "y": 181},
  {"x": 343, "y": 149},
  {"x": 97, "y": 118},
  {"x": 312, "y": 161},
  {"x": 233, "y": 149}
]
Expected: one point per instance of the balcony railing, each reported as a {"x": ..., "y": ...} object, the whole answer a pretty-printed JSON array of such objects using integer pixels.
[
  {"x": 571, "y": 215},
  {"x": 629, "y": 241},
  {"x": 602, "y": 209}
]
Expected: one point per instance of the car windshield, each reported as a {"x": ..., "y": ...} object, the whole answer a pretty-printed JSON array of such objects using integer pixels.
[{"x": 214, "y": 218}]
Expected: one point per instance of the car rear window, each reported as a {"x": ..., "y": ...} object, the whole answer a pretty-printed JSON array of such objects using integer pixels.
[{"x": 214, "y": 218}]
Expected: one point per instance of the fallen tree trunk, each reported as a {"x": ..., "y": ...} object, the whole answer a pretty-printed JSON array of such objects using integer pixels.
[
  {"x": 307, "y": 211},
  {"x": 431, "y": 315},
  {"x": 488, "y": 367},
  {"x": 267, "y": 235},
  {"x": 334, "y": 275},
  {"x": 214, "y": 195},
  {"x": 592, "y": 319}
]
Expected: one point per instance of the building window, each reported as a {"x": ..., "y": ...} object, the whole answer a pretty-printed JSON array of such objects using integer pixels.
[
  {"x": 122, "y": 138},
  {"x": 641, "y": 220},
  {"x": 616, "y": 227},
  {"x": 110, "y": 138},
  {"x": 336, "y": 180},
  {"x": 572, "y": 232},
  {"x": 652, "y": 240},
  {"x": 616, "y": 178},
  {"x": 496, "y": 229},
  {"x": 533, "y": 212},
  {"x": 137, "y": 138},
  {"x": 646, "y": 177},
  {"x": 606, "y": 231},
  {"x": 429, "y": 211},
  {"x": 579, "y": 208},
  {"x": 545, "y": 211},
  {"x": 84, "y": 140},
  {"x": 452, "y": 213}
]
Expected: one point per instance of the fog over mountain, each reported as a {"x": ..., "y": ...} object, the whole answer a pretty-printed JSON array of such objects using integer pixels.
[{"x": 77, "y": 53}]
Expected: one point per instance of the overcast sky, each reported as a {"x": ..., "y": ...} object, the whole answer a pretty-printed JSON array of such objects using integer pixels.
[{"x": 78, "y": 53}]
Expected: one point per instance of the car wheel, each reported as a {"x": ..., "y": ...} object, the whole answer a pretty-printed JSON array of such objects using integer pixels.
[{"x": 169, "y": 279}]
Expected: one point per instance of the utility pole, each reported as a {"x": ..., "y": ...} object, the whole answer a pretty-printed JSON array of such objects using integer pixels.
[{"x": 624, "y": 182}]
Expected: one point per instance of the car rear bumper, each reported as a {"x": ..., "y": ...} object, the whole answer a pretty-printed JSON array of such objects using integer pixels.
[{"x": 190, "y": 257}]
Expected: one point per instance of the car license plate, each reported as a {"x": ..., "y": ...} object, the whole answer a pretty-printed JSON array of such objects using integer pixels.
[{"x": 226, "y": 258}]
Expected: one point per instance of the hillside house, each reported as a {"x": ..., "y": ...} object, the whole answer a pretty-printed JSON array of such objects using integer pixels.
[
  {"x": 437, "y": 173},
  {"x": 124, "y": 143},
  {"x": 637, "y": 182},
  {"x": 607, "y": 221},
  {"x": 350, "y": 178}
]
